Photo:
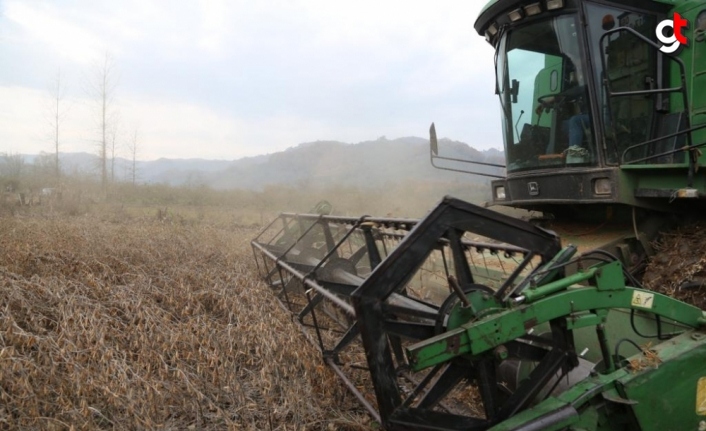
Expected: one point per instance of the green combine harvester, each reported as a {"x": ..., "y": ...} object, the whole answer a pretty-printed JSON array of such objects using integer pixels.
[{"x": 470, "y": 319}]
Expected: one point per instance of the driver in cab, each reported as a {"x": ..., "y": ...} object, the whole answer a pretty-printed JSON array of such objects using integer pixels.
[{"x": 578, "y": 122}]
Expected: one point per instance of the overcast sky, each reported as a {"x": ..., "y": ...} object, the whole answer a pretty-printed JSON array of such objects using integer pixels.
[{"x": 227, "y": 79}]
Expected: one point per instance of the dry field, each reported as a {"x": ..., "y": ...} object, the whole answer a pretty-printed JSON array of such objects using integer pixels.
[{"x": 123, "y": 321}]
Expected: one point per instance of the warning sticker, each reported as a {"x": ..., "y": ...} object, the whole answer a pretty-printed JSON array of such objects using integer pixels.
[
  {"x": 701, "y": 397},
  {"x": 642, "y": 299}
]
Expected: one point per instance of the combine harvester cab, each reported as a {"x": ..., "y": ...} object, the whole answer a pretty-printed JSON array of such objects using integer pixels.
[{"x": 469, "y": 319}]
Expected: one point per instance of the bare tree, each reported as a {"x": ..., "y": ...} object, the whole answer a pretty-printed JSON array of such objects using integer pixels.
[
  {"x": 113, "y": 141},
  {"x": 133, "y": 148},
  {"x": 102, "y": 86},
  {"x": 57, "y": 113}
]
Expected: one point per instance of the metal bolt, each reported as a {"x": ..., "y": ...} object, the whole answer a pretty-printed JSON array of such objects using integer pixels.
[{"x": 501, "y": 353}]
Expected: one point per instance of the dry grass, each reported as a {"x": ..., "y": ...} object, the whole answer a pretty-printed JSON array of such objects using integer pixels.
[
  {"x": 649, "y": 359},
  {"x": 136, "y": 323}
]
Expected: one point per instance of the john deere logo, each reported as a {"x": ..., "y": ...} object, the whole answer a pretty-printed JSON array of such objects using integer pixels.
[{"x": 533, "y": 188}]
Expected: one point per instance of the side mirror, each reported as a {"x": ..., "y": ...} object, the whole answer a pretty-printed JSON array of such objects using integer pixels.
[
  {"x": 514, "y": 90},
  {"x": 433, "y": 143},
  {"x": 434, "y": 156}
]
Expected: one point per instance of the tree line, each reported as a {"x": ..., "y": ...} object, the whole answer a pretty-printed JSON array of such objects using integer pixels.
[{"x": 45, "y": 170}]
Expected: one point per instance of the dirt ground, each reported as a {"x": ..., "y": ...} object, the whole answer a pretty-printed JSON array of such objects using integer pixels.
[{"x": 124, "y": 322}]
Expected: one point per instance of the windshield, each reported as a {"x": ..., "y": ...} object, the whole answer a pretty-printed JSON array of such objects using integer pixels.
[{"x": 546, "y": 121}]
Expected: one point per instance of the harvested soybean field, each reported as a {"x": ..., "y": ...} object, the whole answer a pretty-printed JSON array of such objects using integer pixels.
[{"x": 118, "y": 321}]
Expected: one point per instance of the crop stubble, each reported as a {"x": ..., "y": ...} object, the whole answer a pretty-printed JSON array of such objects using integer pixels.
[{"x": 135, "y": 323}]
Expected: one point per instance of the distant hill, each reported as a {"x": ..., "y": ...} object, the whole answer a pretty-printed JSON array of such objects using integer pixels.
[
  {"x": 370, "y": 163},
  {"x": 366, "y": 164}
]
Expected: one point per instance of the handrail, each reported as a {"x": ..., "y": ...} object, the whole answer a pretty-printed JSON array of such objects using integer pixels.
[
  {"x": 671, "y": 135},
  {"x": 681, "y": 88}
]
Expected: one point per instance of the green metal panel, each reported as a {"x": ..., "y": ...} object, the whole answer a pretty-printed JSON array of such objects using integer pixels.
[
  {"x": 619, "y": 325},
  {"x": 695, "y": 57},
  {"x": 666, "y": 391},
  {"x": 656, "y": 178},
  {"x": 551, "y": 74},
  {"x": 662, "y": 394}
]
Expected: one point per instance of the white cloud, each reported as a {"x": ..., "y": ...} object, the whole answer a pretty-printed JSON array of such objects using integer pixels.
[
  {"x": 46, "y": 26},
  {"x": 226, "y": 79}
]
